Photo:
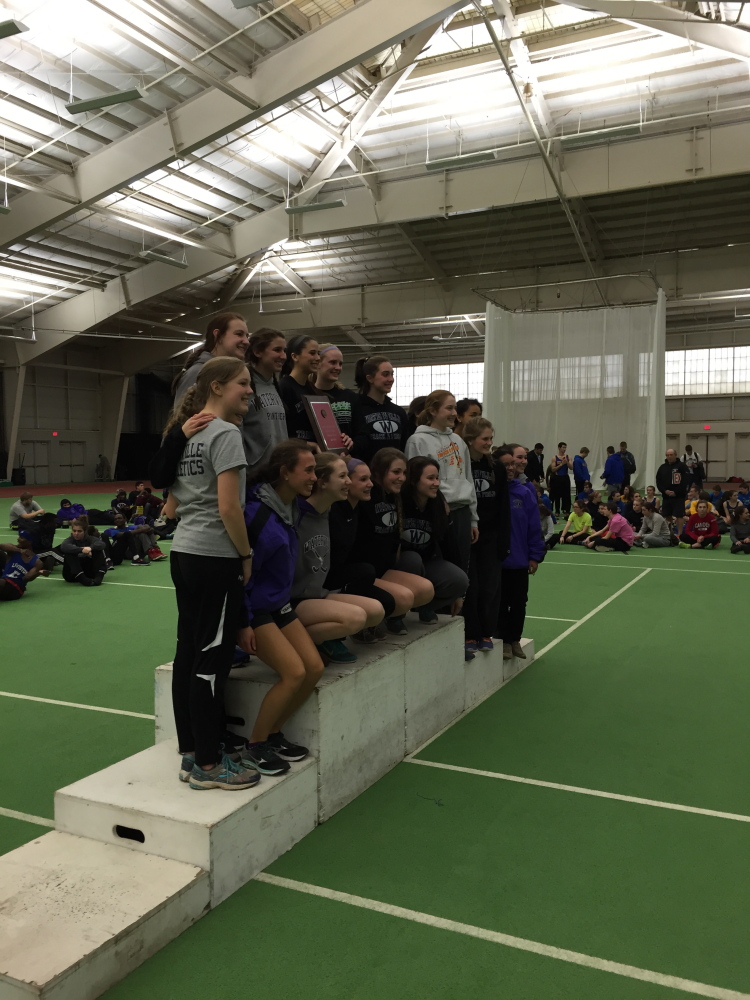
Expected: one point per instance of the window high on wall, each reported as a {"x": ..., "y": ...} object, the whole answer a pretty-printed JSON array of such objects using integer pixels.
[
  {"x": 705, "y": 372},
  {"x": 462, "y": 380}
]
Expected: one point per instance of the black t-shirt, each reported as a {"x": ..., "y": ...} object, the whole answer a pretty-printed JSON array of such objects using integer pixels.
[
  {"x": 343, "y": 402},
  {"x": 377, "y": 539},
  {"x": 297, "y": 420}
]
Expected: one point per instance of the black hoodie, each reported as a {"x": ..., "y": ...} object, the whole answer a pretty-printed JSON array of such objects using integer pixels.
[{"x": 378, "y": 425}]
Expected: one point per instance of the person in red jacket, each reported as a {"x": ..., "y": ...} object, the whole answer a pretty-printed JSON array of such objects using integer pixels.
[{"x": 701, "y": 530}]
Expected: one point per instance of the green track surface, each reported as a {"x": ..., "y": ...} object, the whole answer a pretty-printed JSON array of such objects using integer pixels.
[{"x": 648, "y": 698}]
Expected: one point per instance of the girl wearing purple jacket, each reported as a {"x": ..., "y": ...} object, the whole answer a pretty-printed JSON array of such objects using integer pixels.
[
  {"x": 526, "y": 552},
  {"x": 273, "y": 630}
]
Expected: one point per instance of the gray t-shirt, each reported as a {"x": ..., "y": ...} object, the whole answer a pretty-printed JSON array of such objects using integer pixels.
[
  {"x": 18, "y": 509},
  {"x": 215, "y": 449}
]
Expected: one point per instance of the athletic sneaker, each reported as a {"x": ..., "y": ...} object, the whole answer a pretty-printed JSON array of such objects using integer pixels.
[
  {"x": 186, "y": 767},
  {"x": 366, "y": 635},
  {"x": 427, "y": 616},
  {"x": 140, "y": 561},
  {"x": 380, "y": 632},
  {"x": 263, "y": 757},
  {"x": 485, "y": 645},
  {"x": 336, "y": 651},
  {"x": 155, "y": 554},
  {"x": 110, "y": 565},
  {"x": 395, "y": 625},
  {"x": 517, "y": 650},
  {"x": 227, "y": 775},
  {"x": 285, "y": 749},
  {"x": 470, "y": 649},
  {"x": 602, "y": 548},
  {"x": 683, "y": 545}
]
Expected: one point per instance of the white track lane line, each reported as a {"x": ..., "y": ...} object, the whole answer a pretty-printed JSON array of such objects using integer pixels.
[
  {"x": 508, "y": 940},
  {"x": 536, "y": 657},
  {"x": 27, "y": 817},
  {"x": 662, "y": 569},
  {"x": 594, "y": 611},
  {"x": 111, "y": 583},
  {"x": 545, "y": 618},
  {"x": 676, "y": 806},
  {"x": 74, "y": 704}
]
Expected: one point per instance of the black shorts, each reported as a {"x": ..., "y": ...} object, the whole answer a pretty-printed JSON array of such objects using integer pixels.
[
  {"x": 281, "y": 617},
  {"x": 672, "y": 507}
]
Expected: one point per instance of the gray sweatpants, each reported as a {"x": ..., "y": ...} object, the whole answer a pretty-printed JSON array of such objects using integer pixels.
[
  {"x": 652, "y": 541},
  {"x": 448, "y": 580}
]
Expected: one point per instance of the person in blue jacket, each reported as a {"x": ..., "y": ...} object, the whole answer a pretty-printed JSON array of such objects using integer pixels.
[
  {"x": 614, "y": 471},
  {"x": 69, "y": 512},
  {"x": 526, "y": 552},
  {"x": 20, "y": 567},
  {"x": 581, "y": 473},
  {"x": 273, "y": 630}
]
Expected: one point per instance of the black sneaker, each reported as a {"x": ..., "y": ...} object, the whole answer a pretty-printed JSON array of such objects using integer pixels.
[
  {"x": 366, "y": 635},
  {"x": 263, "y": 757},
  {"x": 395, "y": 626},
  {"x": 285, "y": 749}
]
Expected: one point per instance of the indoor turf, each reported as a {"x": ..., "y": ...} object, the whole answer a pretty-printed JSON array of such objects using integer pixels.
[{"x": 647, "y": 698}]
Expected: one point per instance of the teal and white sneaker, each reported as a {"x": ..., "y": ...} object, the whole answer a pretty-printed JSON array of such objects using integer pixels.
[
  {"x": 227, "y": 775},
  {"x": 186, "y": 767}
]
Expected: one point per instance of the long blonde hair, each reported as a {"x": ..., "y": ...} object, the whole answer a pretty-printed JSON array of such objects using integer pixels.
[
  {"x": 431, "y": 405},
  {"x": 221, "y": 370}
]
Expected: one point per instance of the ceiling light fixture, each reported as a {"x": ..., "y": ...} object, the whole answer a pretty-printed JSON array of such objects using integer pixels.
[
  {"x": 162, "y": 258},
  {"x": 316, "y": 206},
  {"x": 8, "y": 28},
  {"x": 456, "y": 162},
  {"x": 278, "y": 312},
  {"x": 240, "y": 4},
  {"x": 105, "y": 101}
]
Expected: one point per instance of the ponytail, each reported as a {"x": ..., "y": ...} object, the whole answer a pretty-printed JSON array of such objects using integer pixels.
[
  {"x": 367, "y": 366},
  {"x": 294, "y": 346},
  {"x": 221, "y": 370},
  {"x": 217, "y": 327}
]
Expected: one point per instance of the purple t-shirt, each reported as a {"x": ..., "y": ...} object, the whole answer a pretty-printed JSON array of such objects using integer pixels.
[{"x": 620, "y": 528}]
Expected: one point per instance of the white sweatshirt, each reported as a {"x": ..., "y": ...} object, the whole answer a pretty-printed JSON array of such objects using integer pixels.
[{"x": 452, "y": 454}]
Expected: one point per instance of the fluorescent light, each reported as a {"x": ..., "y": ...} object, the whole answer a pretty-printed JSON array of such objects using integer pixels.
[
  {"x": 105, "y": 101},
  {"x": 600, "y": 135},
  {"x": 240, "y": 4},
  {"x": 278, "y": 312},
  {"x": 456, "y": 162},
  {"x": 162, "y": 258},
  {"x": 159, "y": 230},
  {"x": 316, "y": 206},
  {"x": 8, "y": 28}
]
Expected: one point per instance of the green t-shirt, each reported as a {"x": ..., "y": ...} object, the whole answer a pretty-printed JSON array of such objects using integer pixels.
[{"x": 582, "y": 523}]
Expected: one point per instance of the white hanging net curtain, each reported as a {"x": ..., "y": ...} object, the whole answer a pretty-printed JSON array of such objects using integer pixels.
[{"x": 586, "y": 376}]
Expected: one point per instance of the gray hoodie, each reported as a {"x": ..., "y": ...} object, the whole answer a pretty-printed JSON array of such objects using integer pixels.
[
  {"x": 452, "y": 454},
  {"x": 654, "y": 524},
  {"x": 263, "y": 426},
  {"x": 313, "y": 554}
]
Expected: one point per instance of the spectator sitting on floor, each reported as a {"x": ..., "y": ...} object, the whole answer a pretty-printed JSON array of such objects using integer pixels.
[
  {"x": 549, "y": 536},
  {"x": 41, "y": 534},
  {"x": 633, "y": 513},
  {"x": 20, "y": 567},
  {"x": 729, "y": 507},
  {"x": 692, "y": 507},
  {"x": 701, "y": 530},
  {"x": 586, "y": 493},
  {"x": 121, "y": 505},
  {"x": 85, "y": 562},
  {"x": 743, "y": 494},
  {"x": 617, "y": 536},
  {"x": 24, "y": 509},
  {"x": 543, "y": 496},
  {"x": 716, "y": 496},
  {"x": 654, "y": 532},
  {"x": 598, "y": 520},
  {"x": 69, "y": 512},
  {"x": 578, "y": 527},
  {"x": 140, "y": 487},
  {"x": 137, "y": 541},
  {"x": 626, "y": 495},
  {"x": 651, "y": 497},
  {"x": 739, "y": 532}
]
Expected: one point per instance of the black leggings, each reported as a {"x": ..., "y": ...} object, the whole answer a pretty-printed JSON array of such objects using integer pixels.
[
  {"x": 741, "y": 547},
  {"x": 209, "y": 600},
  {"x": 121, "y": 547},
  {"x": 514, "y": 595},
  {"x": 483, "y": 595},
  {"x": 358, "y": 579},
  {"x": 616, "y": 544},
  {"x": 90, "y": 566},
  {"x": 559, "y": 489},
  {"x": 8, "y": 592},
  {"x": 706, "y": 542}
]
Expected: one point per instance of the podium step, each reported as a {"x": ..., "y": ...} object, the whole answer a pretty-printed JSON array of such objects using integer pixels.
[
  {"x": 488, "y": 672},
  {"x": 141, "y": 805},
  {"x": 77, "y": 916}
]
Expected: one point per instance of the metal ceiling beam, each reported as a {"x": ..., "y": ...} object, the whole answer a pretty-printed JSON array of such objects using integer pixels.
[
  {"x": 342, "y": 42},
  {"x": 240, "y": 279},
  {"x": 424, "y": 254},
  {"x": 672, "y": 21},
  {"x": 369, "y": 111},
  {"x": 633, "y": 163},
  {"x": 524, "y": 67},
  {"x": 290, "y": 275}
]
